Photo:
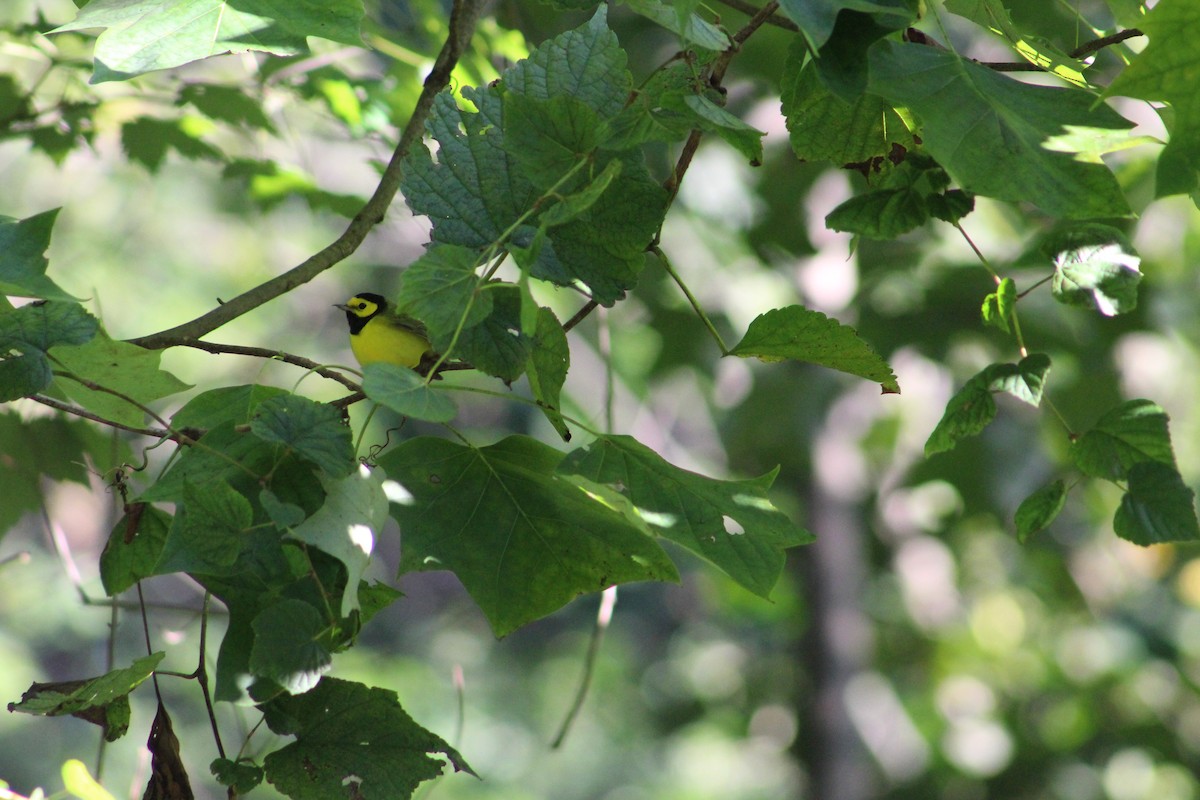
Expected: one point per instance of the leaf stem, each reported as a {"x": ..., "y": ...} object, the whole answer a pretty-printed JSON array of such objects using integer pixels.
[{"x": 691, "y": 299}]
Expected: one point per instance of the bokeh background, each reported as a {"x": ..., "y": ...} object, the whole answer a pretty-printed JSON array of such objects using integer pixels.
[{"x": 916, "y": 650}]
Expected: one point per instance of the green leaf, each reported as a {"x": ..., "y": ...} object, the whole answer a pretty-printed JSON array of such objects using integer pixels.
[
  {"x": 497, "y": 345},
  {"x": 406, "y": 393},
  {"x": 883, "y": 214},
  {"x": 1095, "y": 266},
  {"x": 989, "y": 131},
  {"x": 800, "y": 334},
  {"x": 817, "y": 18},
  {"x": 572, "y": 206},
  {"x": 992, "y": 14},
  {"x": 233, "y": 404},
  {"x": 1169, "y": 69},
  {"x": 842, "y": 61},
  {"x": 224, "y": 455},
  {"x": 972, "y": 408},
  {"x": 549, "y": 360},
  {"x": 438, "y": 287},
  {"x": 1157, "y": 508},
  {"x": 23, "y": 261},
  {"x": 208, "y": 533},
  {"x": 268, "y": 184},
  {"x": 746, "y": 139},
  {"x": 134, "y": 547},
  {"x": 479, "y": 191},
  {"x": 147, "y": 140},
  {"x": 688, "y": 26},
  {"x": 241, "y": 775},
  {"x": 26, "y": 333},
  {"x": 1037, "y": 511},
  {"x": 131, "y": 370},
  {"x": 103, "y": 701},
  {"x": 348, "y": 525},
  {"x": 999, "y": 306},
  {"x": 548, "y": 138},
  {"x": 54, "y": 448},
  {"x": 823, "y": 127},
  {"x": 1132, "y": 433},
  {"x": 523, "y": 540},
  {"x": 315, "y": 431},
  {"x": 284, "y": 515},
  {"x": 226, "y": 103},
  {"x": 351, "y": 741},
  {"x": 146, "y": 35},
  {"x": 288, "y": 647},
  {"x": 731, "y": 524}
]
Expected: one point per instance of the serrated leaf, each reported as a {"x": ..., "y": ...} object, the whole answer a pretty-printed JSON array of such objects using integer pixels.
[
  {"x": 439, "y": 287},
  {"x": 23, "y": 261},
  {"x": 406, "y": 393},
  {"x": 103, "y": 701},
  {"x": 146, "y": 35},
  {"x": 478, "y": 192},
  {"x": 800, "y": 334},
  {"x": 315, "y": 431},
  {"x": 1132, "y": 433},
  {"x": 988, "y": 130},
  {"x": 523, "y": 540},
  {"x": 1157, "y": 507},
  {"x": 134, "y": 547},
  {"x": 731, "y": 524},
  {"x": 972, "y": 408},
  {"x": 882, "y": 214},
  {"x": 207, "y": 535},
  {"x": 351, "y": 741},
  {"x": 549, "y": 360},
  {"x": 131, "y": 370},
  {"x": 1037, "y": 511},
  {"x": 288, "y": 647},
  {"x": 348, "y": 525},
  {"x": 824, "y": 127},
  {"x": 1095, "y": 266},
  {"x": 746, "y": 139},
  {"x": 548, "y": 138}
]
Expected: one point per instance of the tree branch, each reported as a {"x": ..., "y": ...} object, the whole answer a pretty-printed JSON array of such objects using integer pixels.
[
  {"x": 81, "y": 412},
  {"x": 462, "y": 27},
  {"x": 751, "y": 10},
  {"x": 262, "y": 352},
  {"x": 1084, "y": 49}
]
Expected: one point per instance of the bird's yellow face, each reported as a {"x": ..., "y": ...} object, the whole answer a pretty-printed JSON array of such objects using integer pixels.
[{"x": 378, "y": 335}]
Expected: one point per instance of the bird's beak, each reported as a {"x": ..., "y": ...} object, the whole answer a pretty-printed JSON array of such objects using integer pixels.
[{"x": 341, "y": 306}]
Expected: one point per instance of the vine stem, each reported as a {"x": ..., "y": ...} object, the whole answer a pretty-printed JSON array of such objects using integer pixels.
[
  {"x": 462, "y": 27},
  {"x": 608, "y": 599},
  {"x": 1016, "y": 323}
]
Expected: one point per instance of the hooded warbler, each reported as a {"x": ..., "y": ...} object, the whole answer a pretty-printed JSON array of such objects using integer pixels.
[{"x": 377, "y": 333}]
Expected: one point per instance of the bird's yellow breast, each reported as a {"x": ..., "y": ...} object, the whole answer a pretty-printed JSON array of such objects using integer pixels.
[{"x": 381, "y": 341}]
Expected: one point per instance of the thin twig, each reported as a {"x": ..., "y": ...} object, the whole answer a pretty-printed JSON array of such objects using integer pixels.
[
  {"x": 751, "y": 10},
  {"x": 263, "y": 352},
  {"x": 608, "y": 599},
  {"x": 462, "y": 27},
  {"x": 80, "y": 412},
  {"x": 1084, "y": 49}
]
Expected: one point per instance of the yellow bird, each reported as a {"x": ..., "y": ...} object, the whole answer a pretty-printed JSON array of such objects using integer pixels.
[{"x": 379, "y": 334}]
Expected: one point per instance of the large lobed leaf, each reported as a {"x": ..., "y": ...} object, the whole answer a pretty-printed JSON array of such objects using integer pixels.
[
  {"x": 523, "y": 540},
  {"x": 731, "y": 524},
  {"x": 990, "y": 131},
  {"x": 352, "y": 741}
]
